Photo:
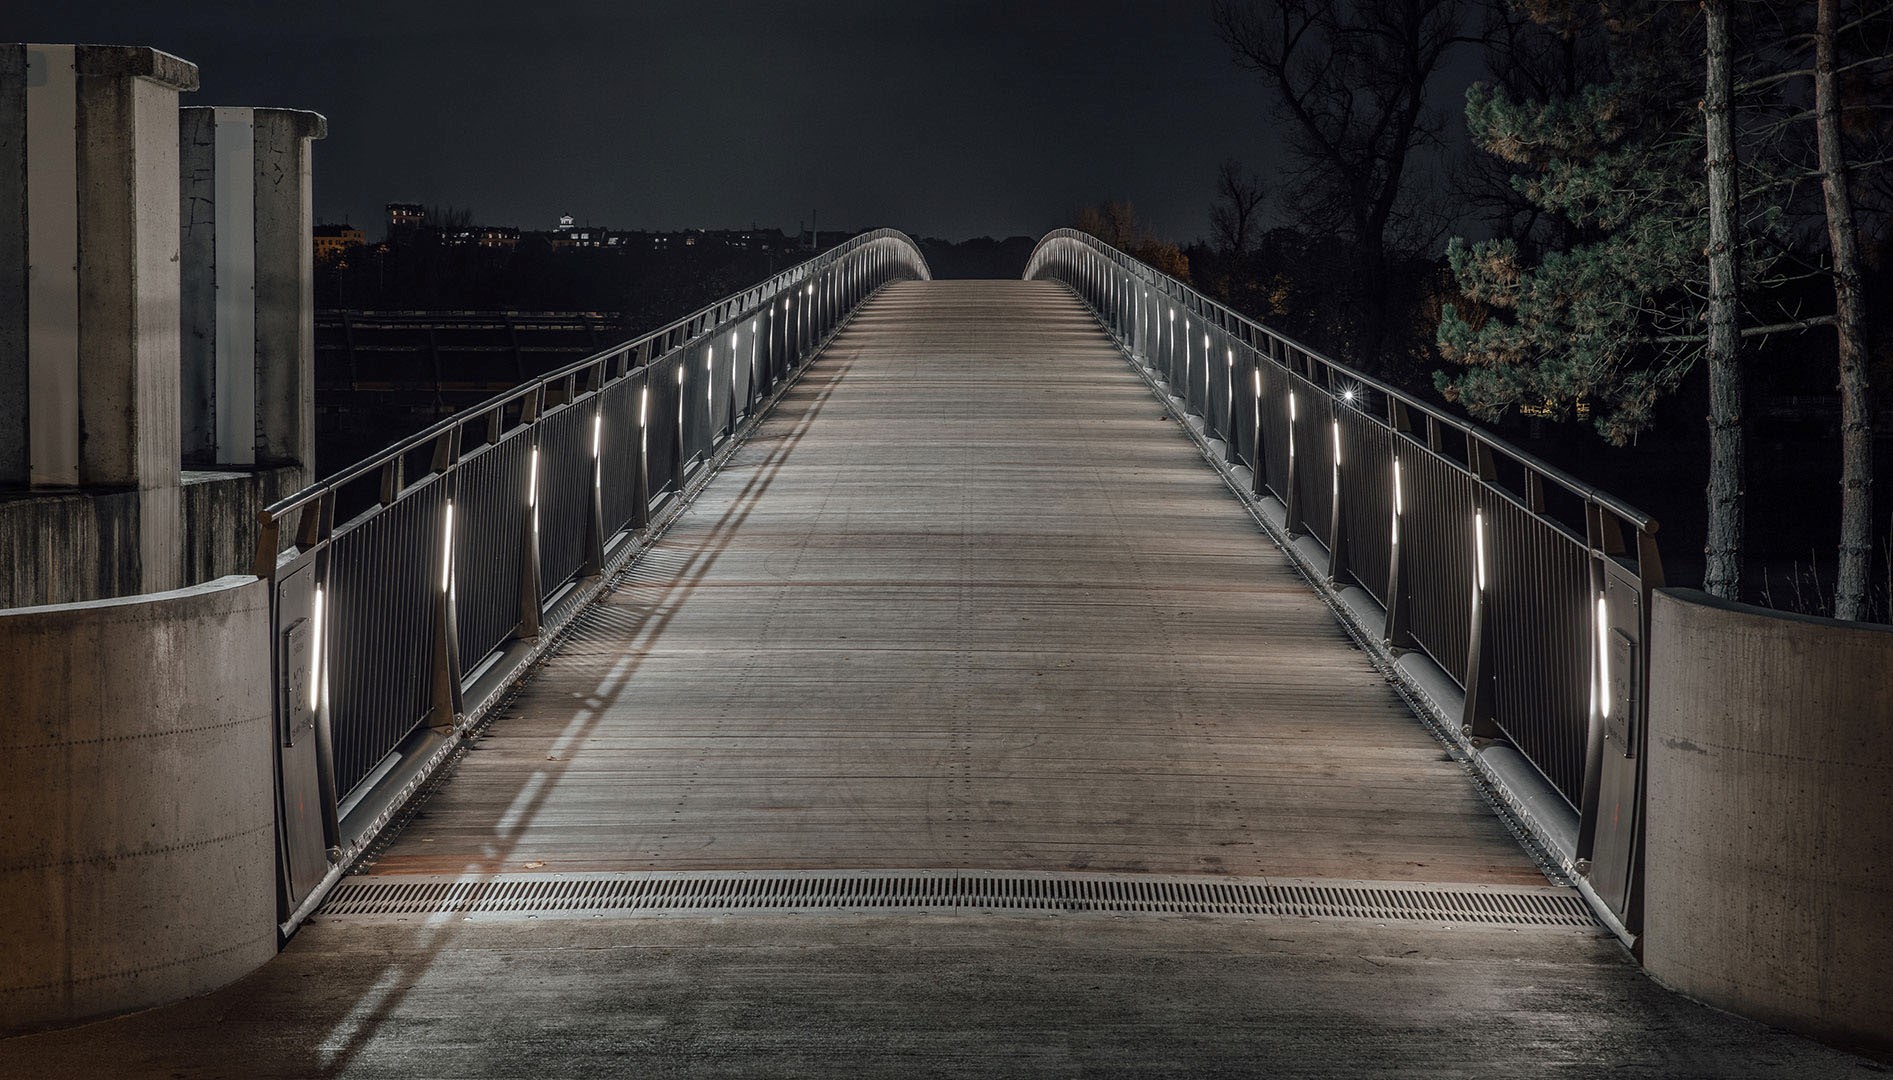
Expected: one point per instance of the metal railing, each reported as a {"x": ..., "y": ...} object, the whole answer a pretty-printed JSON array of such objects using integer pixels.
[
  {"x": 1526, "y": 586},
  {"x": 396, "y": 580}
]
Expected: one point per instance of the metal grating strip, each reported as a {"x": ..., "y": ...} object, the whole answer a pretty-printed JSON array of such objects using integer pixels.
[{"x": 630, "y": 894}]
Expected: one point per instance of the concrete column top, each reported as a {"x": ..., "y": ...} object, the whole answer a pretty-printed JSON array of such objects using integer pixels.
[
  {"x": 306, "y": 124},
  {"x": 136, "y": 61}
]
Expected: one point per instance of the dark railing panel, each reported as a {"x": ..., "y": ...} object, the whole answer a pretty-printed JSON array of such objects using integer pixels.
[
  {"x": 565, "y": 491},
  {"x": 1314, "y": 454},
  {"x": 490, "y": 521},
  {"x": 1437, "y": 533},
  {"x": 1538, "y": 588},
  {"x": 699, "y": 393},
  {"x": 1246, "y": 405},
  {"x": 663, "y": 431},
  {"x": 1275, "y": 381},
  {"x": 1367, "y": 500},
  {"x": 384, "y": 583},
  {"x": 1220, "y": 370},
  {"x": 618, "y": 453}
]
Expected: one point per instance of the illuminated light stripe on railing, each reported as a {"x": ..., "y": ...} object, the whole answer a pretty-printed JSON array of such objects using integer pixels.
[
  {"x": 1478, "y": 545},
  {"x": 532, "y": 489},
  {"x": 316, "y": 674},
  {"x": 1291, "y": 424},
  {"x": 1335, "y": 469},
  {"x": 1399, "y": 501},
  {"x": 1603, "y": 658},
  {"x": 598, "y": 442},
  {"x": 447, "y": 551}
]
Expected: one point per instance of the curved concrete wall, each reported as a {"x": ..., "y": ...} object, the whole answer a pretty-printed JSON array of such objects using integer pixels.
[
  {"x": 137, "y": 830},
  {"x": 1769, "y": 854}
]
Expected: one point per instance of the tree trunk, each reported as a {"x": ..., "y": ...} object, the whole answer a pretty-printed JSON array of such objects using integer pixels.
[
  {"x": 1856, "y": 406},
  {"x": 1722, "y": 575}
]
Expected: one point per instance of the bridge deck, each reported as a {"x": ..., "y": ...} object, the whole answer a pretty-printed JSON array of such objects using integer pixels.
[{"x": 969, "y": 599}]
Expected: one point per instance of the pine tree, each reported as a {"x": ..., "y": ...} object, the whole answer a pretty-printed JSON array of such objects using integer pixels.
[
  {"x": 1613, "y": 319},
  {"x": 1646, "y": 287}
]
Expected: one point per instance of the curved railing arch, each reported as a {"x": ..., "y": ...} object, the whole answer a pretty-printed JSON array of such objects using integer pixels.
[
  {"x": 1526, "y": 586},
  {"x": 407, "y": 580}
]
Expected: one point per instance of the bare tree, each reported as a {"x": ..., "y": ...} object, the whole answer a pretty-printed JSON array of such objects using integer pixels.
[
  {"x": 1239, "y": 198},
  {"x": 1352, "y": 78},
  {"x": 1722, "y": 575},
  {"x": 1856, "y": 406},
  {"x": 1116, "y": 224}
]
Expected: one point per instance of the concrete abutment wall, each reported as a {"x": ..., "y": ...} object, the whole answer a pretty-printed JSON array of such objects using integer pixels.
[
  {"x": 1769, "y": 845},
  {"x": 137, "y": 836}
]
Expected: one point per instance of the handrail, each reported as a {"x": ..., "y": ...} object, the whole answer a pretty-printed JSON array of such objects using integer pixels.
[{"x": 1200, "y": 303}]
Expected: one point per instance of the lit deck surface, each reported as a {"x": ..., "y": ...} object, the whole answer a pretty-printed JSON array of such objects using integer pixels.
[{"x": 969, "y": 599}]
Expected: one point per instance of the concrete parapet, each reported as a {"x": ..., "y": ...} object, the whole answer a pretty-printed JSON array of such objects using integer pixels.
[
  {"x": 248, "y": 289},
  {"x": 137, "y": 838},
  {"x": 1769, "y": 843},
  {"x": 65, "y": 547}
]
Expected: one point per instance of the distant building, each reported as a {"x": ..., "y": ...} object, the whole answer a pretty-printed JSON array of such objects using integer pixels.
[
  {"x": 405, "y": 218},
  {"x": 565, "y": 224},
  {"x": 491, "y": 237},
  {"x": 332, "y": 240}
]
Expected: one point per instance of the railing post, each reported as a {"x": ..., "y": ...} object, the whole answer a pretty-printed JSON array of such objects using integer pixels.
[
  {"x": 529, "y": 603},
  {"x": 445, "y": 708},
  {"x": 594, "y": 561},
  {"x": 1337, "y": 521},
  {"x": 1395, "y": 632},
  {"x": 1479, "y": 719},
  {"x": 678, "y": 441},
  {"x": 315, "y": 525},
  {"x": 1230, "y": 448},
  {"x": 1260, "y": 471},
  {"x": 1292, "y": 523},
  {"x": 752, "y": 394},
  {"x": 1604, "y": 539},
  {"x": 641, "y": 459}
]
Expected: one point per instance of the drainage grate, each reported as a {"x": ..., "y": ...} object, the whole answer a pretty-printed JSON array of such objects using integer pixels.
[{"x": 619, "y": 895}]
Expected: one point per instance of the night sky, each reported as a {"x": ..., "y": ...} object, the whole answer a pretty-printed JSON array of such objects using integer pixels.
[{"x": 952, "y": 119}]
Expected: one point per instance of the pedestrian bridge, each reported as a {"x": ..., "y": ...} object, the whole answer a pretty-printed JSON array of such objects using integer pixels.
[{"x": 880, "y": 675}]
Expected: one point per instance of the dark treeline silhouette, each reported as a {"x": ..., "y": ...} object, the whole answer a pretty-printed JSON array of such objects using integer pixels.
[
  {"x": 381, "y": 377},
  {"x": 979, "y": 257}
]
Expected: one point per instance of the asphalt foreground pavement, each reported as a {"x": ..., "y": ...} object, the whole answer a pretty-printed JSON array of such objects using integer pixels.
[{"x": 916, "y": 996}]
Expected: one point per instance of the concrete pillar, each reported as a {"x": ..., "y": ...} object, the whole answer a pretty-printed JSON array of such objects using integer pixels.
[
  {"x": 248, "y": 319},
  {"x": 89, "y": 299}
]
